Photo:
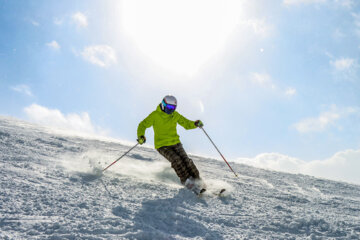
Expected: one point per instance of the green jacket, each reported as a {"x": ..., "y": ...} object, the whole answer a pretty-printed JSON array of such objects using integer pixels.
[{"x": 164, "y": 125}]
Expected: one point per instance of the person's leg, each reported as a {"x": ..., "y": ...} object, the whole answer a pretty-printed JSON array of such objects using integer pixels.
[
  {"x": 188, "y": 162},
  {"x": 176, "y": 162}
]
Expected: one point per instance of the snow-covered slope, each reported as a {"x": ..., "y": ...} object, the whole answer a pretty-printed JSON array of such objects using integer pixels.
[{"x": 50, "y": 190}]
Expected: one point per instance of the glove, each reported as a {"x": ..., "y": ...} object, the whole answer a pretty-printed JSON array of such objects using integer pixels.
[
  {"x": 141, "y": 140},
  {"x": 199, "y": 123}
]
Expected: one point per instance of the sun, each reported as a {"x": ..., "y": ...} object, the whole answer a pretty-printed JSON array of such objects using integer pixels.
[{"x": 181, "y": 35}]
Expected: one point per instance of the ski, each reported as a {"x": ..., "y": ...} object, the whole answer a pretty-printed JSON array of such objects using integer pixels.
[
  {"x": 199, "y": 193},
  {"x": 199, "y": 188},
  {"x": 218, "y": 194},
  {"x": 221, "y": 192}
]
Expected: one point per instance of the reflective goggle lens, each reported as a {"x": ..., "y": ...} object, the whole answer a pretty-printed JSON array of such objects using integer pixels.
[{"x": 169, "y": 106}]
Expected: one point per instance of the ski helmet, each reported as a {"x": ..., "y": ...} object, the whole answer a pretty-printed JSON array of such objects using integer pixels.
[{"x": 168, "y": 104}]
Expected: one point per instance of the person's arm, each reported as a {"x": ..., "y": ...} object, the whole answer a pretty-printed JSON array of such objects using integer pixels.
[
  {"x": 144, "y": 124},
  {"x": 186, "y": 123}
]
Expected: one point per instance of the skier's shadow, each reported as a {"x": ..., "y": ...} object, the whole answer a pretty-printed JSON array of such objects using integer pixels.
[{"x": 171, "y": 218}]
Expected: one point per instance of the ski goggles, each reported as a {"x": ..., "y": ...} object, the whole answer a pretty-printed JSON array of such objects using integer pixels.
[{"x": 169, "y": 106}]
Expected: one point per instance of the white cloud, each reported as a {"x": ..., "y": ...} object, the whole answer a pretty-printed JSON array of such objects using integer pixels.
[
  {"x": 345, "y": 3},
  {"x": 345, "y": 69},
  {"x": 338, "y": 34},
  {"x": 35, "y": 23},
  {"x": 54, "y": 118},
  {"x": 324, "y": 120},
  {"x": 343, "y": 64},
  {"x": 54, "y": 45},
  {"x": 317, "y": 124},
  {"x": 58, "y": 21},
  {"x": 260, "y": 27},
  {"x": 262, "y": 79},
  {"x": 22, "y": 88},
  {"x": 101, "y": 55},
  {"x": 356, "y": 19},
  {"x": 80, "y": 19},
  {"x": 342, "y": 3},
  {"x": 298, "y": 2},
  {"x": 343, "y": 166},
  {"x": 274, "y": 161},
  {"x": 290, "y": 91}
]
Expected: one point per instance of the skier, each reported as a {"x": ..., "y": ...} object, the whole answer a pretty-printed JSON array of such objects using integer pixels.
[{"x": 167, "y": 142}]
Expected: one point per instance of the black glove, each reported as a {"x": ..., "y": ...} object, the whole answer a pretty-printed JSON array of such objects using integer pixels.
[
  {"x": 199, "y": 123},
  {"x": 141, "y": 139}
]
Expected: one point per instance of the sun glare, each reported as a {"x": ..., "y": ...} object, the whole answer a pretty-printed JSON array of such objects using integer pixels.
[{"x": 182, "y": 35}]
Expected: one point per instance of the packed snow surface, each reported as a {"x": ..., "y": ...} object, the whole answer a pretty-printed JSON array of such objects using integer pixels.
[{"x": 52, "y": 188}]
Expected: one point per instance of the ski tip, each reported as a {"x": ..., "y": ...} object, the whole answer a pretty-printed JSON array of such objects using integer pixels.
[
  {"x": 200, "y": 193},
  {"x": 222, "y": 190}
]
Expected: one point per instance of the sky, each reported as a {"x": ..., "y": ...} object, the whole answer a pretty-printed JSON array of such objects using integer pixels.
[{"x": 276, "y": 83}]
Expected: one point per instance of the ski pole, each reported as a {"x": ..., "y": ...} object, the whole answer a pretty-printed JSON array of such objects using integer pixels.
[
  {"x": 218, "y": 151},
  {"x": 120, "y": 157}
]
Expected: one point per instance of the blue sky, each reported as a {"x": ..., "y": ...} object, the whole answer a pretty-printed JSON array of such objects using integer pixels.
[{"x": 266, "y": 77}]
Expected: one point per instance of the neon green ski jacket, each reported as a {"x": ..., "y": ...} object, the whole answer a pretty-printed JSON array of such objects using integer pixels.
[{"x": 164, "y": 125}]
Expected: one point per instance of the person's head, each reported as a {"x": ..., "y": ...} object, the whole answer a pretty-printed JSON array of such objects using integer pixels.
[{"x": 168, "y": 104}]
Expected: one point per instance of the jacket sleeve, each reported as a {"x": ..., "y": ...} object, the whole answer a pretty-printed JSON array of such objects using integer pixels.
[
  {"x": 144, "y": 124},
  {"x": 186, "y": 123}
]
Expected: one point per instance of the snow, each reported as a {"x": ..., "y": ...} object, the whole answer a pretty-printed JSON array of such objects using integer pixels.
[{"x": 51, "y": 189}]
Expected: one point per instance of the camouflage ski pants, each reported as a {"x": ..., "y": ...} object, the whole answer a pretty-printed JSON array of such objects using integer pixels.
[{"x": 182, "y": 164}]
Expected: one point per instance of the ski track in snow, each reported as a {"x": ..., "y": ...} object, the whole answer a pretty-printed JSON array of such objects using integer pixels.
[{"x": 51, "y": 189}]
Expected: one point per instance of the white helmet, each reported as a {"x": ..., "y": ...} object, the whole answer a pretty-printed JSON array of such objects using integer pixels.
[{"x": 168, "y": 104}]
